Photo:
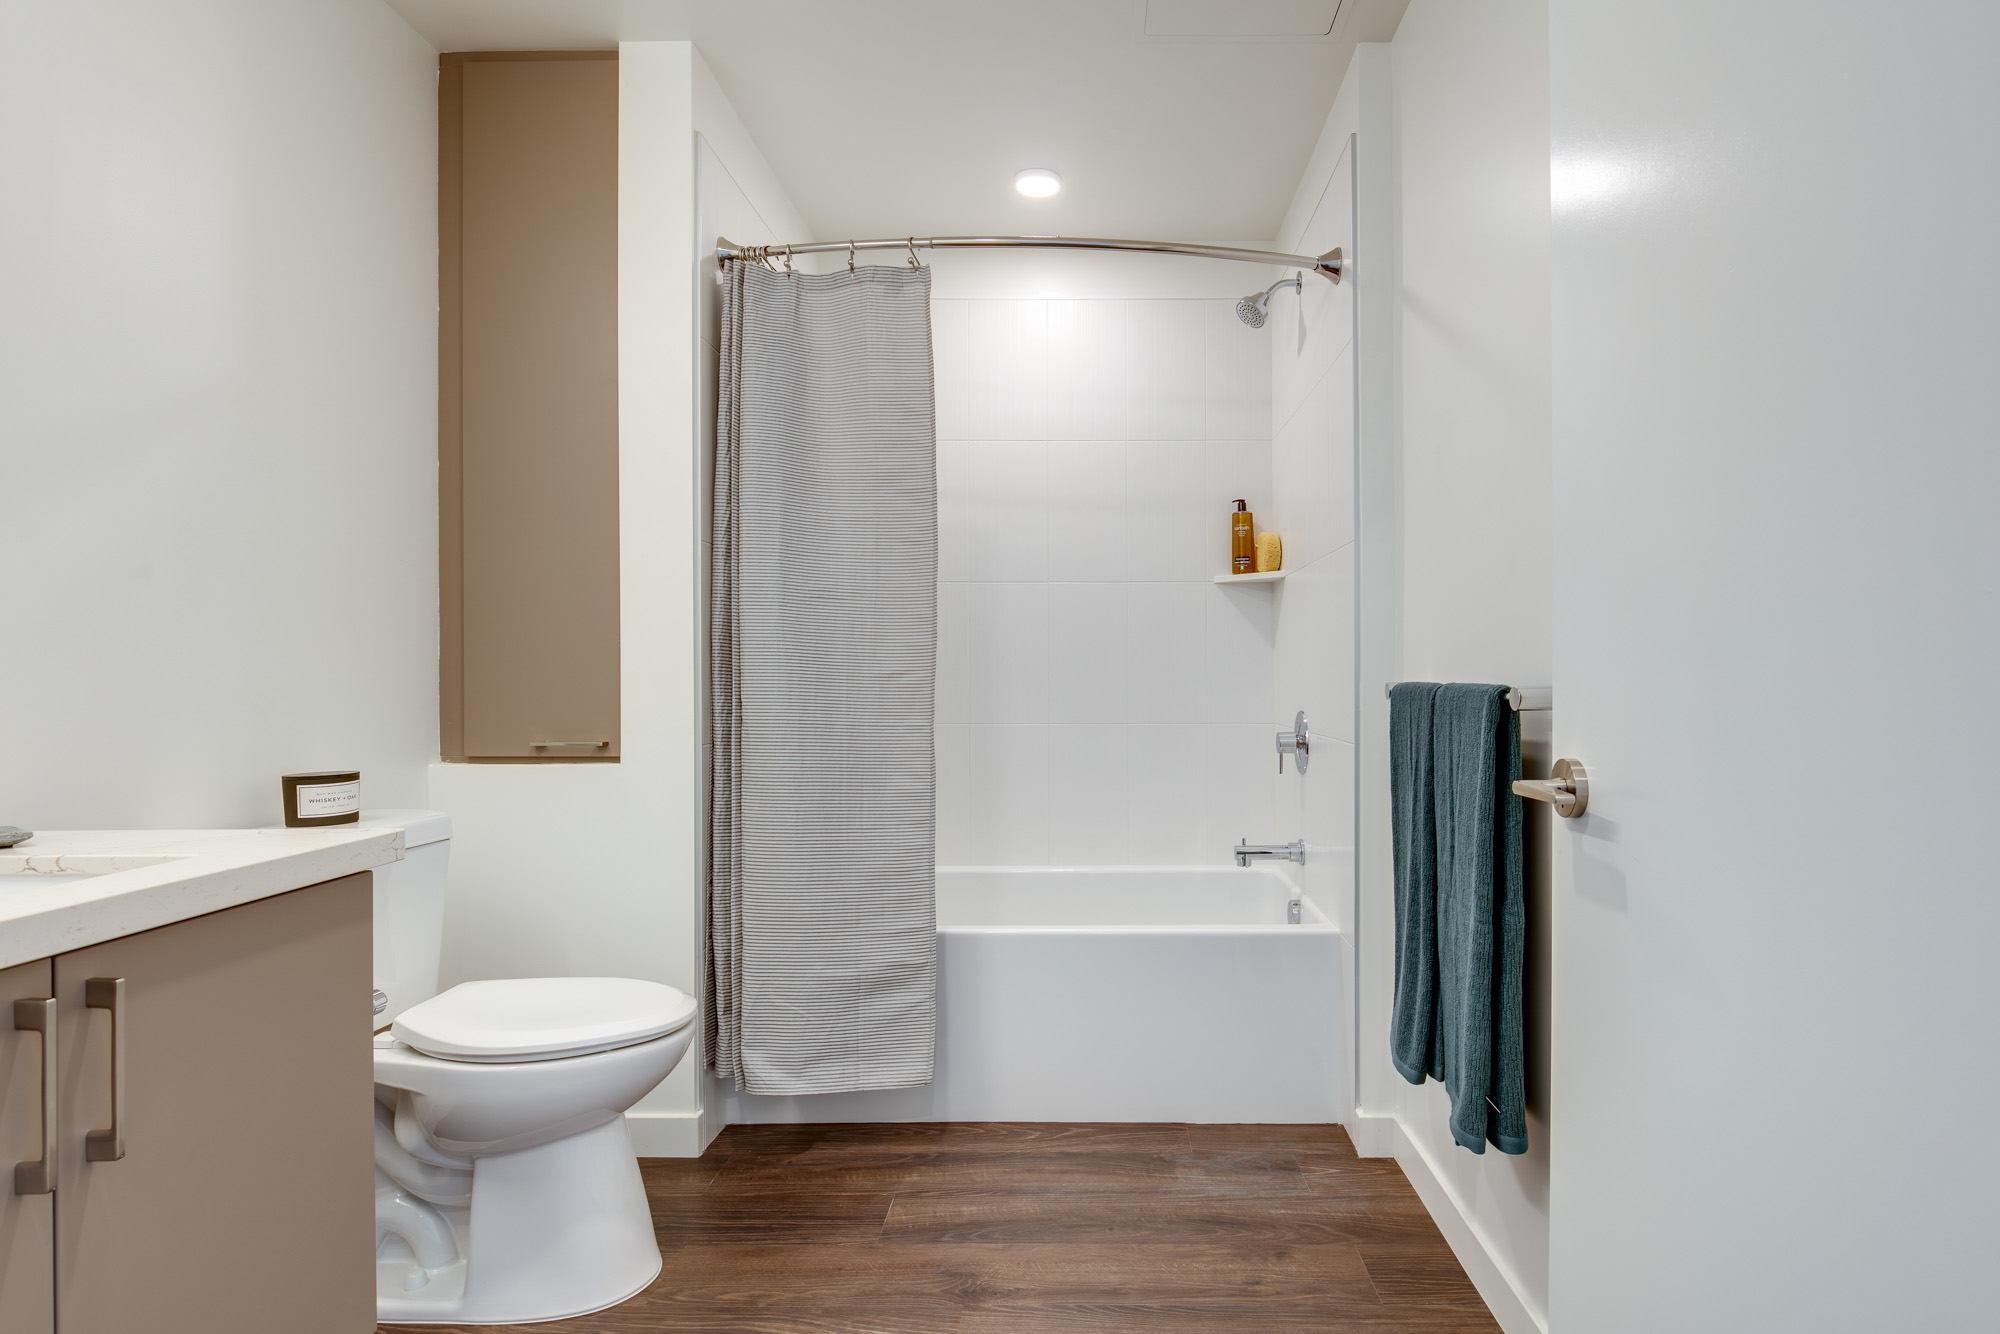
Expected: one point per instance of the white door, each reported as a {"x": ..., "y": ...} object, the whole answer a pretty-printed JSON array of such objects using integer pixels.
[{"x": 1777, "y": 650}]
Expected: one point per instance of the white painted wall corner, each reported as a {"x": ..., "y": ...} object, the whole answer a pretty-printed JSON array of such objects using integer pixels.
[
  {"x": 674, "y": 1134},
  {"x": 1498, "y": 1286},
  {"x": 1373, "y": 1133}
]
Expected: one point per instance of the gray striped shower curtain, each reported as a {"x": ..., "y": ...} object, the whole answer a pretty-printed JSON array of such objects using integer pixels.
[{"x": 822, "y": 919}]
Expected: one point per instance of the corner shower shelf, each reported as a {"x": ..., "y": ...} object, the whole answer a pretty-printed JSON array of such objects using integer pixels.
[{"x": 1261, "y": 577}]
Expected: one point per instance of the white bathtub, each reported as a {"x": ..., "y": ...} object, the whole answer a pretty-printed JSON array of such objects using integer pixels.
[{"x": 1119, "y": 994}]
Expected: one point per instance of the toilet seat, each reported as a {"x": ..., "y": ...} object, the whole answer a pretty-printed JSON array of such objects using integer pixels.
[{"x": 541, "y": 1018}]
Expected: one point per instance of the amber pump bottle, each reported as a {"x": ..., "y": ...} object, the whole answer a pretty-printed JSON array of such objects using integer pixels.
[{"x": 1242, "y": 540}]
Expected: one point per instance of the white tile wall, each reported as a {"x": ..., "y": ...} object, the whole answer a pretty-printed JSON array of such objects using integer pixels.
[
  {"x": 1166, "y": 378},
  {"x": 1312, "y": 478},
  {"x": 1311, "y": 328},
  {"x": 1090, "y": 800},
  {"x": 1007, "y": 510},
  {"x": 1008, "y": 370},
  {"x": 1238, "y": 371},
  {"x": 1088, "y": 636},
  {"x": 1168, "y": 787},
  {"x": 954, "y": 771},
  {"x": 1088, "y": 358},
  {"x": 1314, "y": 509},
  {"x": 1087, "y": 509},
  {"x": 1313, "y": 667},
  {"x": 1236, "y": 644},
  {"x": 952, "y": 699},
  {"x": 1164, "y": 514},
  {"x": 950, "y": 339},
  {"x": 1328, "y": 308},
  {"x": 954, "y": 496},
  {"x": 1164, "y": 652},
  {"x": 1239, "y": 769},
  {"x": 1007, "y": 815},
  {"x": 1100, "y": 699},
  {"x": 1007, "y": 645}
]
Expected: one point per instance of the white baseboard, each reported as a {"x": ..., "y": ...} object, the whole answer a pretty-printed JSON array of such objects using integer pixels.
[
  {"x": 1496, "y": 1284},
  {"x": 669, "y": 1134},
  {"x": 1373, "y": 1136}
]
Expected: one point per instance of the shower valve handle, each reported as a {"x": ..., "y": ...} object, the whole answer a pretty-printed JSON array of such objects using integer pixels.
[{"x": 1297, "y": 743}]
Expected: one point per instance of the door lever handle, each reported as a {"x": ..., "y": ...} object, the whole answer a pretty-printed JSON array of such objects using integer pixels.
[
  {"x": 108, "y": 993},
  {"x": 37, "y": 1176},
  {"x": 1567, "y": 788}
]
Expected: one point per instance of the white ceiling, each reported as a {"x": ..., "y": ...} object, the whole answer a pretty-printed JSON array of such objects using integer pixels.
[{"x": 893, "y": 117}]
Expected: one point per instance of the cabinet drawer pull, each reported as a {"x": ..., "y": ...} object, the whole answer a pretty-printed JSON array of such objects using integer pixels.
[
  {"x": 38, "y": 1176},
  {"x": 108, "y": 993}
]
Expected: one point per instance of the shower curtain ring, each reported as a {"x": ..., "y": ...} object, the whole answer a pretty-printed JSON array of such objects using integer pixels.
[
  {"x": 788, "y": 259},
  {"x": 913, "y": 254},
  {"x": 850, "y": 256}
]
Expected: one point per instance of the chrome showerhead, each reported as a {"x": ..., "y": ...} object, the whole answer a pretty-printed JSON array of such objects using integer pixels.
[{"x": 1254, "y": 309}]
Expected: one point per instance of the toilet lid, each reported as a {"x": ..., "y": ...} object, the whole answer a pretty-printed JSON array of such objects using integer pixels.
[{"x": 541, "y": 1018}]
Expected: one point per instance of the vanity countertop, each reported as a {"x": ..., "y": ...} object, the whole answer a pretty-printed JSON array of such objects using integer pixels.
[{"x": 62, "y": 891}]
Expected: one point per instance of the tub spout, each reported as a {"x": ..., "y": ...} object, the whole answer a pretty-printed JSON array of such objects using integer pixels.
[{"x": 1295, "y": 851}]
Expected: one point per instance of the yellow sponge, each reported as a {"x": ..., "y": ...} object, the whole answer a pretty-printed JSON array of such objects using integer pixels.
[{"x": 1270, "y": 552}]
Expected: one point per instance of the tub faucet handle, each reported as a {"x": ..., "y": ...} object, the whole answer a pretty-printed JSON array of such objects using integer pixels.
[{"x": 1297, "y": 743}]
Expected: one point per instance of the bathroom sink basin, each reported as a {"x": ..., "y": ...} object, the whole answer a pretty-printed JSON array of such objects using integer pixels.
[{"x": 23, "y": 868}]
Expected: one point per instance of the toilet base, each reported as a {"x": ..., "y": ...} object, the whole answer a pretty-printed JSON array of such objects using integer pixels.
[{"x": 555, "y": 1231}]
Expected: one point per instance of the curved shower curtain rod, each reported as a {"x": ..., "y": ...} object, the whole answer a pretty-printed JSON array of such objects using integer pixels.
[{"x": 1327, "y": 266}]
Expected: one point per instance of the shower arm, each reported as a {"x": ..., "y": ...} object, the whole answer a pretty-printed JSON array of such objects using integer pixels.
[{"x": 1328, "y": 266}]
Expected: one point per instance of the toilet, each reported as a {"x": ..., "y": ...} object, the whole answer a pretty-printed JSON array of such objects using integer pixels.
[{"x": 506, "y": 1188}]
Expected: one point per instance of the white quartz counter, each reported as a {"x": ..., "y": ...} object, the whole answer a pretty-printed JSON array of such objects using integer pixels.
[{"x": 62, "y": 891}]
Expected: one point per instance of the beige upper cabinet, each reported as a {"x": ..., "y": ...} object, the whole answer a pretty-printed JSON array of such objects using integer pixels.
[{"x": 528, "y": 405}]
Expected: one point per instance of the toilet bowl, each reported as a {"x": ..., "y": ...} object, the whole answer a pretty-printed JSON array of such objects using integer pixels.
[{"x": 507, "y": 1190}]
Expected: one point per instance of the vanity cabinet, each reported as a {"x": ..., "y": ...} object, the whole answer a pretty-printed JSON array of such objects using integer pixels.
[
  {"x": 27, "y": 1221},
  {"x": 213, "y": 1137}
]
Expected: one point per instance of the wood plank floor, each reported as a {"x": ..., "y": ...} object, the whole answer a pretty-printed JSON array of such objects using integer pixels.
[{"x": 1033, "y": 1228}]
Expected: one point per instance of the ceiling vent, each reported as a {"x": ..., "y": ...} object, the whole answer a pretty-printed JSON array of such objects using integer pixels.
[{"x": 1241, "y": 18}]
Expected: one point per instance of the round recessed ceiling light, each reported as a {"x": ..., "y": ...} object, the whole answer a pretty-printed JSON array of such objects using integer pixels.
[{"x": 1037, "y": 182}]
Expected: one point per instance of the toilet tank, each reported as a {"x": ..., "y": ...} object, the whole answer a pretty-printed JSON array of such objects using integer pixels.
[{"x": 409, "y": 910}]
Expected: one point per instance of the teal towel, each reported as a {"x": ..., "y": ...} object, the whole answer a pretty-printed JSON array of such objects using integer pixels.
[
  {"x": 1472, "y": 888},
  {"x": 1413, "y": 1016}
]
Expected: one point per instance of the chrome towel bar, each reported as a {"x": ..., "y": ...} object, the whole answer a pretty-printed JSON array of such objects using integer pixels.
[{"x": 1522, "y": 699}]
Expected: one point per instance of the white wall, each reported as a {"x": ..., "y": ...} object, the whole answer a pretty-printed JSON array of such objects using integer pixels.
[
  {"x": 593, "y": 869},
  {"x": 218, "y": 407},
  {"x": 1100, "y": 699},
  {"x": 1313, "y": 361},
  {"x": 1470, "y": 89},
  {"x": 1315, "y": 357},
  {"x": 1775, "y": 473},
  {"x": 596, "y": 869}
]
